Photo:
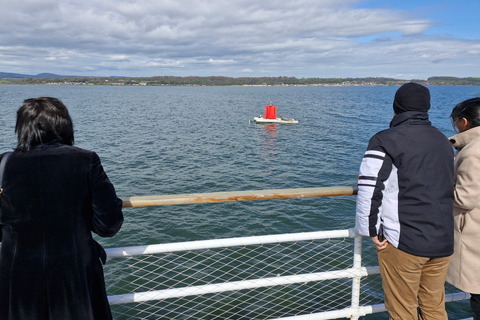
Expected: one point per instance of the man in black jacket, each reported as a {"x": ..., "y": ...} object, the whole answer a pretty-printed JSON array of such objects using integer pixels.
[{"x": 405, "y": 187}]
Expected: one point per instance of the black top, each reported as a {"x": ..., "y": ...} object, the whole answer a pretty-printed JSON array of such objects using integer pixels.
[{"x": 50, "y": 266}]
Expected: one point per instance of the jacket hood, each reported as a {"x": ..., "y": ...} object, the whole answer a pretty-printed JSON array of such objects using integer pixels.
[{"x": 410, "y": 117}]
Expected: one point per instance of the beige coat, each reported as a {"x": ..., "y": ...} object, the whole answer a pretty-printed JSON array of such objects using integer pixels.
[{"x": 464, "y": 270}]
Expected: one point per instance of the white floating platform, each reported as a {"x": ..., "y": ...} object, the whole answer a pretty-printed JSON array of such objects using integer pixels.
[{"x": 277, "y": 120}]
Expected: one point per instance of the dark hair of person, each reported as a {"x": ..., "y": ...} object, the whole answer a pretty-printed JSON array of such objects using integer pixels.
[
  {"x": 41, "y": 120},
  {"x": 468, "y": 109}
]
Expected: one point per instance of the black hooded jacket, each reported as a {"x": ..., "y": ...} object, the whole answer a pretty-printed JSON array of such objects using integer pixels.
[{"x": 406, "y": 184}]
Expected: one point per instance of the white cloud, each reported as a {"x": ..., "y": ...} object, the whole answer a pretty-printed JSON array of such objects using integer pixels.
[
  {"x": 239, "y": 37},
  {"x": 220, "y": 61},
  {"x": 119, "y": 58}
]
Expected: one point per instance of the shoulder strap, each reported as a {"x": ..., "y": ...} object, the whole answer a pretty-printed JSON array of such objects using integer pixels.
[{"x": 2, "y": 168}]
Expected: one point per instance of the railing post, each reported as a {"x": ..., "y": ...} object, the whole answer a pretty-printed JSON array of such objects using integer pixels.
[{"x": 357, "y": 265}]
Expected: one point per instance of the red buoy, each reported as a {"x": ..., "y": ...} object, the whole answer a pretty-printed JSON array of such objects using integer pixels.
[{"x": 270, "y": 112}]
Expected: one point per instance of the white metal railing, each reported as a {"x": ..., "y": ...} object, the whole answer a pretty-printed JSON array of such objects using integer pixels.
[{"x": 230, "y": 278}]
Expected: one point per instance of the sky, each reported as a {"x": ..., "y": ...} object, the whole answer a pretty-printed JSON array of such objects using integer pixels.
[{"x": 402, "y": 39}]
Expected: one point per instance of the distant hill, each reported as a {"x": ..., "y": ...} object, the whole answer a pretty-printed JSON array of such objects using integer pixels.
[
  {"x": 51, "y": 76},
  {"x": 8, "y": 75},
  {"x": 455, "y": 81}
]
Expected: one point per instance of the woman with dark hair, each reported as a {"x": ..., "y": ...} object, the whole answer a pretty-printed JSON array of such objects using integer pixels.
[
  {"x": 463, "y": 271},
  {"x": 54, "y": 196},
  {"x": 42, "y": 120}
]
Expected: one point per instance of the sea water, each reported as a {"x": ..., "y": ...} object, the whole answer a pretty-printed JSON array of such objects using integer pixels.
[{"x": 176, "y": 140}]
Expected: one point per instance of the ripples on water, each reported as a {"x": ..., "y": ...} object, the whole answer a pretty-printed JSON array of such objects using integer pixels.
[{"x": 173, "y": 140}]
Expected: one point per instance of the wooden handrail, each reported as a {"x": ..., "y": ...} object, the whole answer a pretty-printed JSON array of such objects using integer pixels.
[{"x": 166, "y": 200}]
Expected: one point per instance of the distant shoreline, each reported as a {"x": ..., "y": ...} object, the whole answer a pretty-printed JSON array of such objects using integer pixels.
[{"x": 229, "y": 81}]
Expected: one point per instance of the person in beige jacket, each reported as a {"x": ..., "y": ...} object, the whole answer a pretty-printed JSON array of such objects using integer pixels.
[{"x": 464, "y": 269}]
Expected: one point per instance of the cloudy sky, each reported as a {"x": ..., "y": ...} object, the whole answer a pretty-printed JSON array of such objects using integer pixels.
[{"x": 405, "y": 39}]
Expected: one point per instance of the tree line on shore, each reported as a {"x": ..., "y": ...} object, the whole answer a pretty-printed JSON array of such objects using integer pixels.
[{"x": 231, "y": 81}]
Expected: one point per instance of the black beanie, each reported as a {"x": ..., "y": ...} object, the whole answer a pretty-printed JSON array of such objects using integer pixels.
[{"x": 411, "y": 97}]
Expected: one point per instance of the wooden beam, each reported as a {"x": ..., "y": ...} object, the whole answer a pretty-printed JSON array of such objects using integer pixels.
[{"x": 166, "y": 200}]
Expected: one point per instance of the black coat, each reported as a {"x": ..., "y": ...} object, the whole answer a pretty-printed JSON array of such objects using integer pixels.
[{"x": 50, "y": 266}]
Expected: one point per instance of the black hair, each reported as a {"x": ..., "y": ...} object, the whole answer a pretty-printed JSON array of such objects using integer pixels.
[
  {"x": 41, "y": 120},
  {"x": 468, "y": 109}
]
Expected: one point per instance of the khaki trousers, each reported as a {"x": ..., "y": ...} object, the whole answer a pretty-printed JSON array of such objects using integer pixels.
[{"x": 410, "y": 283}]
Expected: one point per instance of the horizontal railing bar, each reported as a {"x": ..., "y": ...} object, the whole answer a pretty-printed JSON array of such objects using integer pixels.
[
  {"x": 338, "y": 314},
  {"x": 166, "y": 200},
  {"x": 227, "y": 242},
  {"x": 364, "y": 310},
  {"x": 239, "y": 285},
  {"x": 457, "y": 296}
]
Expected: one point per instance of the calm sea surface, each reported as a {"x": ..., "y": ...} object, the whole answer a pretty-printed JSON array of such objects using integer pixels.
[{"x": 175, "y": 140}]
